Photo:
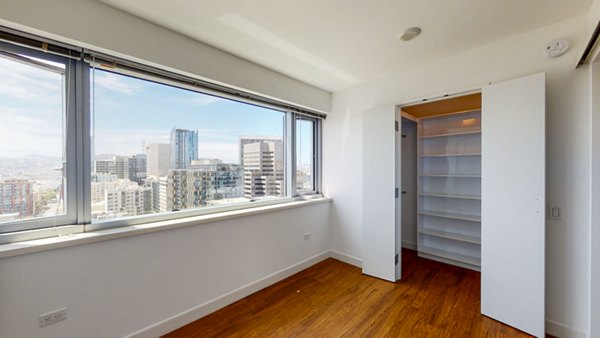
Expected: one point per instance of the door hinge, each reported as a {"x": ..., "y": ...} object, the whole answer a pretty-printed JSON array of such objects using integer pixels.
[
  {"x": 397, "y": 192},
  {"x": 396, "y": 259},
  {"x": 396, "y": 125}
]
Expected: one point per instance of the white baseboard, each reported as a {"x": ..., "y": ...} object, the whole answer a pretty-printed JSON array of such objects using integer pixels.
[
  {"x": 409, "y": 245},
  {"x": 186, "y": 317},
  {"x": 346, "y": 258},
  {"x": 563, "y": 331}
]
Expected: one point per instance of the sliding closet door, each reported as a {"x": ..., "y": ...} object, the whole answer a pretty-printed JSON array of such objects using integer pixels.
[
  {"x": 513, "y": 188},
  {"x": 379, "y": 204}
]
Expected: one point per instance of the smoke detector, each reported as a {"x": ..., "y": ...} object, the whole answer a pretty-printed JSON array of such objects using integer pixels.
[{"x": 556, "y": 47}]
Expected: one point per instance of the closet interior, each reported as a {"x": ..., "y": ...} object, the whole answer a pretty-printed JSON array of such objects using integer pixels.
[{"x": 441, "y": 179}]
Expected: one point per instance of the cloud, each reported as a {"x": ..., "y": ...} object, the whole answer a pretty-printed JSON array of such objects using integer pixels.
[
  {"x": 31, "y": 110},
  {"x": 205, "y": 100},
  {"x": 30, "y": 131},
  {"x": 25, "y": 82},
  {"x": 115, "y": 82}
]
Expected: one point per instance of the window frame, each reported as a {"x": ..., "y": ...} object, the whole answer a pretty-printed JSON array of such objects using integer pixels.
[
  {"x": 316, "y": 155},
  {"x": 92, "y": 225},
  {"x": 71, "y": 147},
  {"x": 79, "y": 147}
]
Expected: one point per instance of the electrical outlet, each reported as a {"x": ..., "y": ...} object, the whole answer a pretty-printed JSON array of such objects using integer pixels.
[
  {"x": 53, "y": 317},
  {"x": 306, "y": 235}
]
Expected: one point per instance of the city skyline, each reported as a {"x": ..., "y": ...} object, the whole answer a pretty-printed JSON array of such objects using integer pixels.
[
  {"x": 132, "y": 118},
  {"x": 129, "y": 112}
]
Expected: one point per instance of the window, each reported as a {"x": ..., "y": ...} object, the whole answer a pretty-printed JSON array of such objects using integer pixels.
[
  {"x": 35, "y": 157},
  {"x": 88, "y": 141},
  {"x": 160, "y": 148},
  {"x": 305, "y": 154}
]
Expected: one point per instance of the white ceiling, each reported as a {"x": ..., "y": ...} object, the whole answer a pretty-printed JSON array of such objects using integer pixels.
[{"x": 335, "y": 44}]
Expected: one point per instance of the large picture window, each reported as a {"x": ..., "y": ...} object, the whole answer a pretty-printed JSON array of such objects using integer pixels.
[
  {"x": 160, "y": 148},
  {"x": 90, "y": 142}
]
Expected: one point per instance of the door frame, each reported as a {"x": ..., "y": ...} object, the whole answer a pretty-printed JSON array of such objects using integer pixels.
[
  {"x": 398, "y": 221},
  {"x": 398, "y": 153}
]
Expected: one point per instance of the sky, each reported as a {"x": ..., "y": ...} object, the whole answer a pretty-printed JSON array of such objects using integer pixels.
[
  {"x": 127, "y": 113},
  {"x": 31, "y": 110}
]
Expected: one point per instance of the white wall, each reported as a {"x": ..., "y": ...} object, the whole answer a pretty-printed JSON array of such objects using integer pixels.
[
  {"x": 117, "y": 287},
  {"x": 568, "y": 149},
  {"x": 91, "y": 24},
  {"x": 114, "y": 288}
]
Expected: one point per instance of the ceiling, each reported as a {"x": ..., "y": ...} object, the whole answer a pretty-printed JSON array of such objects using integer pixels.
[{"x": 336, "y": 44}]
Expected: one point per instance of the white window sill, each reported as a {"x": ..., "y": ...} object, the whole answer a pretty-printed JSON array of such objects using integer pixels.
[{"x": 38, "y": 245}]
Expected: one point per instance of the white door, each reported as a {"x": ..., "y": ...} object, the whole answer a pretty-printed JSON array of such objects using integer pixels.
[
  {"x": 512, "y": 215},
  {"x": 379, "y": 204}
]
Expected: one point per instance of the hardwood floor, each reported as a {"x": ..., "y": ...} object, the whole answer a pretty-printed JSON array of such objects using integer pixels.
[{"x": 334, "y": 299}]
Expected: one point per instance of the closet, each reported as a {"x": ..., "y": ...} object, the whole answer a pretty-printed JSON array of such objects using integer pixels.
[
  {"x": 448, "y": 180},
  {"x": 480, "y": 196}
]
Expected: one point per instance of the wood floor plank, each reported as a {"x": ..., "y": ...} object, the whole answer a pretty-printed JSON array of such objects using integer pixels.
[{"x": 334, "y": 299}]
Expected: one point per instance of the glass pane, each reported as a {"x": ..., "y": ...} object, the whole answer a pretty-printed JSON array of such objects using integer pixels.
[
  {"x": 305, "y": 155},
  {"x": 159, "y": 149},
  {"x": 32, "y": 110}
]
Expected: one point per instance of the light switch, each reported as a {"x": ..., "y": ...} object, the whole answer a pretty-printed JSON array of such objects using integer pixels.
[{"x": 555, "y": 212}]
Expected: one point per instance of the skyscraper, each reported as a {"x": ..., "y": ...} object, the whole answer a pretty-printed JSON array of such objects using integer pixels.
[
  {"x": 263, "y": 167},
  {"x": 117, "y": 165},
  {"x": 16, "y": 197},
  {"x": 158, "y": 159},
  {"x": 195, "y": 186},
  {"x": 137, "y": 168},
  {"x": 184, "y": 147},
  {"x": 253, "y": 139}
]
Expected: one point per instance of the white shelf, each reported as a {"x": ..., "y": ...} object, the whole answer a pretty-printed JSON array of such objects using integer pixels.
[
  {"x": 449, "y": 202},
  {"x": 466, "y": 197},
  {"x": 449, "y": 155},
  {"x": 453, "y": 236},
  {"x": 451, "y": 175},
  {"x": 453, "y": 215},
  {"x": 475, "y": 132},
  {"x": 475, "y": 261}
]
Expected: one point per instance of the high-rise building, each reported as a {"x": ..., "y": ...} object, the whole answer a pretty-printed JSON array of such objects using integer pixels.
[
  {"x": 184, "y": 147},
  {"x": 16, "y": 197},
  {"x": 165, "y": 194},
  {"x": 137, "y": 168},
  {"x": 99, "y": 184},
  {"x": 263, "y": 167},
  {"x": 153, "y": 183},
  {"x": 253, "y": 139},
  {"x": 158, "y": 159},
  {"x": 128, "y": 199},
  {"x": 117, "y": 165},
  {"x": 193, "y": 187}
]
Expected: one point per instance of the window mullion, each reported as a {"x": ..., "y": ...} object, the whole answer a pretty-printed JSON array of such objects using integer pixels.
[
  {"x": 318, "y": 155},
  {"x": 291, "y": 153},
  {"x": 83, "y": 151}
]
